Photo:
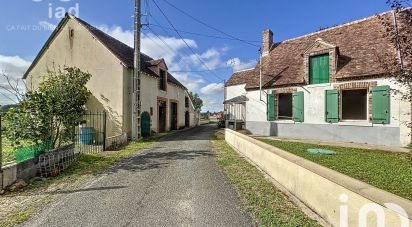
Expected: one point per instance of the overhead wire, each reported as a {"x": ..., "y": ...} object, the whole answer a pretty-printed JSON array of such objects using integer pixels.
[
  {"x": 207, "y": 25},
  {"x": 185, "y": 42}
]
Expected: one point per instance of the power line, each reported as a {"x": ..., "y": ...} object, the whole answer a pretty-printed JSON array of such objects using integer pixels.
[
  {"x": 164, "y": 42},
  {"x": 200, "y": 34},
  {"x": 209, "y": 26},
  {"x": 181, "y": 37}
]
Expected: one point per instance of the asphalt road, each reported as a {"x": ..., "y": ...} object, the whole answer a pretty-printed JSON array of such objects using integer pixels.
[{"x": 175, "y": 183}]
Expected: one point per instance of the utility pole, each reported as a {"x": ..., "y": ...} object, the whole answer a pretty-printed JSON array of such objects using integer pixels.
[{"x": 136, "y": 74}]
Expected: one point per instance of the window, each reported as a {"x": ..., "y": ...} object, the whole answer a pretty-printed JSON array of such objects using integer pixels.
[
  {"x": 319, "y": 69},
  {"x": 163, "y": 80},
  {"x": 285, "y": 106},
  {"x": 354, "y": 104},
  {"x": 187, "y": 102}
]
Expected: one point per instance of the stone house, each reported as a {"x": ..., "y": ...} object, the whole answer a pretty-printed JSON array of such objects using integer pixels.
[
  {"x": 165, "y": 101},
  {"x": 329, "y": 85}
]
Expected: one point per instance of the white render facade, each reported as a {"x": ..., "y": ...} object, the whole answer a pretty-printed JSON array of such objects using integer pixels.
[
  {"x": 329, "y": 85},
  {"x": 315, "y": 126},
  {"x": 76, "y": 43}
]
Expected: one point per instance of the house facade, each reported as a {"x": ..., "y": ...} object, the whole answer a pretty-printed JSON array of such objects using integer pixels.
[
  {"x": 165, "y": 102},
  {"x": 329, "y": 86}
]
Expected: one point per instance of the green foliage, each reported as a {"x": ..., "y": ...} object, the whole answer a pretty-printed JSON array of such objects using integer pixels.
[
  {"x": 196, "y": 100},
  {"x": 49, "y": 114}
]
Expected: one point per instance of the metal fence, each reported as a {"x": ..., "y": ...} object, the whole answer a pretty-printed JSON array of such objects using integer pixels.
[{"x": 88, "y": 138}]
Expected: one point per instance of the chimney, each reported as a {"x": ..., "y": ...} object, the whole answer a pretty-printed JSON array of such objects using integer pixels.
[{"x": 267, "y": 42}]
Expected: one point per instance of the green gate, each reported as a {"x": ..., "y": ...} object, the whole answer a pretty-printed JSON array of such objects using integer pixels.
[{"x": 145, "y": 124}]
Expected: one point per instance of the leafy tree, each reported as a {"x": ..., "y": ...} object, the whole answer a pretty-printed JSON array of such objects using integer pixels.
[
  {"x": 399, "y": 67},
  {"x": 196, "y": 100},
  {"x": 50, "y": 113}
]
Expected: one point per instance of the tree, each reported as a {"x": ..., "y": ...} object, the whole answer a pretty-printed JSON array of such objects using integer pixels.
[
  {"x": 50, "y": 114},
  {"x": 196, "y": 100},
  {"x": 400, "y": 66}
]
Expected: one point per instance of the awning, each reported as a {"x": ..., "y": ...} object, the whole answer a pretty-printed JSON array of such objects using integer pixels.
[{"x": 237, "y": 100}]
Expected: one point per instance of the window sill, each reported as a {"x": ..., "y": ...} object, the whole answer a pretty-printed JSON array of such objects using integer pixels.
[
  {"x": 318, "y": 85},
  {"x": 355, "y": 123},
  {"x": 285, "y": 121}
]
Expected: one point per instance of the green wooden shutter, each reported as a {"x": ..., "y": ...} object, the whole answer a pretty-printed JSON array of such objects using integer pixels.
[
  {"x": 332, "y": 106},
  {"x": 298, "y": 106},
  {"x": 381, "y": 105},
  {"x": 319, "y": 69},
  {"x": 270, "y": 107}
]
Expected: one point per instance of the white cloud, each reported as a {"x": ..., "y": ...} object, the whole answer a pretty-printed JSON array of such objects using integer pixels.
[
  {"x": 212, "y": 104},
  {"x": 212, "y": 89},
  {"x": 14, "y": 67},
  {"x": 192, "y": 83},
  {"x": 238, "y": 65}
]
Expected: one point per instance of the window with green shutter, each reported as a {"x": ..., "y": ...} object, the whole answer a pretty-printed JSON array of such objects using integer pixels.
[
  {"x": 271, "y": 116},
  {"x": 332, "y": 106},
  {"x": 298, "y": 106},
  {"x": 319, "y": 69},
  {"x": 381, "y": 105}
]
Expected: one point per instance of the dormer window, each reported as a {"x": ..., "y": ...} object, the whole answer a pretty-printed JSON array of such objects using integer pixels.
[
  {"x": 163, "y": 80},
  {"x": 319, "y": 69}
]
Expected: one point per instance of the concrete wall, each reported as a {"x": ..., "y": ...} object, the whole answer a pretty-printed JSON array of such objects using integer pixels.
[
  {"x": 25, "y": 171},
  {"x": 325, "y": 191},
  {"x": 385, "y": 136},
  {"x": 315, "y": 127},
  {"x": 87, "y": 53}
]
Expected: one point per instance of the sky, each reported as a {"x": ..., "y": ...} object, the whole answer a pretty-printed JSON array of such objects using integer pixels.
[{"x": 203, "y": 59}]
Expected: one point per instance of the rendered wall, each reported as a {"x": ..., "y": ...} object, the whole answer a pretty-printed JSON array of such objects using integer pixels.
[
  {"x": 328, "y": 193},
  {"x": 315, "y": 127},
  {"x": 87, "y": 53}
]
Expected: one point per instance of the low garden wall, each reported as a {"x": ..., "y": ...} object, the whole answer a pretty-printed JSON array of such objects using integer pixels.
[
  {"x": 48, "y": 164},
  {"x": 338, "y": 199}
]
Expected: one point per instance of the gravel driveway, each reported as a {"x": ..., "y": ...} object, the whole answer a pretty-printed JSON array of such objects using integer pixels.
[{"x": 175, "y": 183}]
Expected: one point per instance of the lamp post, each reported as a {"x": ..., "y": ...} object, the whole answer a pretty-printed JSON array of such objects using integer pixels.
[{"x": 136, "y": 103}]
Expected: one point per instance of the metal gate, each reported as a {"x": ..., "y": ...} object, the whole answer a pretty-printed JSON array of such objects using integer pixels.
[{"x": 90, "y": 136}]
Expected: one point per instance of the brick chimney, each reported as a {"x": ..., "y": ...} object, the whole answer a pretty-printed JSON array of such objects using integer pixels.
[{"x": 267, "y": 42}]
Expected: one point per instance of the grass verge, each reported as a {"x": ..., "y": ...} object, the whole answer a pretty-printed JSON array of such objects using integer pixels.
[
  {"x": 268, "y": 205},
  {"x": 16, "y": 208},
  {"x": 391, "y": 172}
]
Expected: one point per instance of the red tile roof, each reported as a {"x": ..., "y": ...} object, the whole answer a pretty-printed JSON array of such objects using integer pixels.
[{"x": 361, "y": 44}]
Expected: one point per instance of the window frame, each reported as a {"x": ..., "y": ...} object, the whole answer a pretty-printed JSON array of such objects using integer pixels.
[
  {"x": 162, "y": 80},
  {"x": 341, "y": 119},
  {"x": 310, "y": 67}
]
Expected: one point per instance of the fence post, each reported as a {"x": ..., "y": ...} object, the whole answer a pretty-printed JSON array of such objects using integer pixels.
[{"x": 104, "y": 130}]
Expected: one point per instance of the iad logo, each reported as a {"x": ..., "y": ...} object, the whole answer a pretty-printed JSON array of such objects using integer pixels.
[
  {"x": 59, "y": 11},
  {"x": 371, "y": 209}
]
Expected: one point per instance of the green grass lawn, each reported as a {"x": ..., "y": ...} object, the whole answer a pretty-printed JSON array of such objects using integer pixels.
[
  {"x": 391, "y": 172},
  {"x": 268, "y": 206}
]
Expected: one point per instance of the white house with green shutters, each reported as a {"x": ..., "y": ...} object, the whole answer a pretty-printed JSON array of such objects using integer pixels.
[{"x": 328, "y": 86}]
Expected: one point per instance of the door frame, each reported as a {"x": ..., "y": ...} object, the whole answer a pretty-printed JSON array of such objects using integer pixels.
[
  {"x": 165, "y": 101},
  {"x": 176, "y": 102}
]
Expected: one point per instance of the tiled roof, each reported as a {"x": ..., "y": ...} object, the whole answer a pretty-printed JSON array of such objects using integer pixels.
[
  {"x": 241, "y": 77},
  {"x": 126, "y": 53},
  {"x": 122, "y": 51},
  {"x": 361, "y": 44}
]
